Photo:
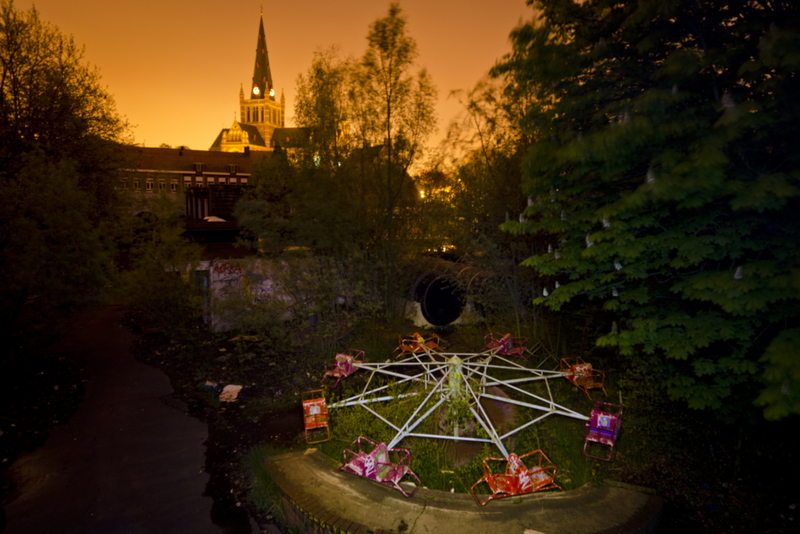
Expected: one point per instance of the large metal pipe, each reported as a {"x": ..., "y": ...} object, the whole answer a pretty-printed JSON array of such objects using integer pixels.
[{"x": 441, "y": 288}]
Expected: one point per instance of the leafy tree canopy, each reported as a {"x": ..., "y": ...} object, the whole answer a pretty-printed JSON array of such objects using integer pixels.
[
  {"x": 322, "y": 106},
  {"x": 666, "y": 179},
  {"x": 393, "y": 106},
  {"x": 59, "y": 134}
]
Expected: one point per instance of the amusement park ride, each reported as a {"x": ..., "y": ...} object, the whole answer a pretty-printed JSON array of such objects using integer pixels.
[{"x": 443, "y": 380}]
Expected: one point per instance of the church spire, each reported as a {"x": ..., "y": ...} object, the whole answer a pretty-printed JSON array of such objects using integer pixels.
[{"x": 262, "y": 77}]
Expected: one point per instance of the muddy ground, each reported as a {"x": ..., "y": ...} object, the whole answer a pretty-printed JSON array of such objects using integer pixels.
[{"x": 39, "y": 393}]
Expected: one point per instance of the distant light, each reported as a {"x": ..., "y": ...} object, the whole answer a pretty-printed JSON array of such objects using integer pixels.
[{"x": 422, "y": 194}]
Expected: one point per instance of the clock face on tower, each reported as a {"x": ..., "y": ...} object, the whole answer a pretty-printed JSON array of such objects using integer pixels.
[
  {"x": 255, "y": 90},
  {"x": 272, "y": 92}
]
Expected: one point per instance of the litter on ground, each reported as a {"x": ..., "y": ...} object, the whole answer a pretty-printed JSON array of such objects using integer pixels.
[{"x": 229, "y": 393}]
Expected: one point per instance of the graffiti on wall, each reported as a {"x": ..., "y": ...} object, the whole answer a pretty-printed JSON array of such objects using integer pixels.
[
  {"x": 230, "y": 278},
  {"x": 226, "y": 268},
  {"x": 258, "y": 285}
]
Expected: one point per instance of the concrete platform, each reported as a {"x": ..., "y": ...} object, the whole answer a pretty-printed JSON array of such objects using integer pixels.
[{"x": 320, "y": 499}]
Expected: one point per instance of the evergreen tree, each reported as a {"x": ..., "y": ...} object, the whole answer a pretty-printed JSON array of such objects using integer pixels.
[{"x": 666, "y": 178}]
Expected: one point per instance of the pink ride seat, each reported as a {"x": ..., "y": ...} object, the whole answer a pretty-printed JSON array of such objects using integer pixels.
[
  {"x": 344, "y": 365},
  {"x": 507, "y": 345},
  {"x": 376, "y": 465}
]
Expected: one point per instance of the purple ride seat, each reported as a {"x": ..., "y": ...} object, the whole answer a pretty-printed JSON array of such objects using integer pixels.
[{"x": 603, "y": 427}]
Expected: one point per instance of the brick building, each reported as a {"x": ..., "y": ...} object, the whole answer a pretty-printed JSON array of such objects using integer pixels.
[{"x": 207, "y": 183}]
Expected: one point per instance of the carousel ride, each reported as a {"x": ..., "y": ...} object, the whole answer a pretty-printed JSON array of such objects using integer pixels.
[{"x": 452, "y": 386}]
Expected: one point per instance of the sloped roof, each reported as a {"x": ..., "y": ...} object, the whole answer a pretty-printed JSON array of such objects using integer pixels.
[
  {"x": 254, "y": 137},
  {"x": 177, "y": 159},
  {"x": 290, "y": 137},
  {"x": 217, "y": 144}
]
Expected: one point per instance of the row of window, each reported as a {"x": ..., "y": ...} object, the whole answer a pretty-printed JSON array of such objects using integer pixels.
[
  {"x": 188, "y": 181},
  {"x": 149, "y": 186},
  {"x": 274, "y": 116}
]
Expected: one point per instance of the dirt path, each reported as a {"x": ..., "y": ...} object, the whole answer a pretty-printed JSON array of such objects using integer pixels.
[{"x": 129, "y": 460}]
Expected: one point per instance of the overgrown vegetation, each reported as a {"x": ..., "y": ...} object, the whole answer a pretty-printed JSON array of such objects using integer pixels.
[
  {"x": 59, "y": 161},
  {"x": 264, "y": 492},
  {"x": 623, "y": 189},
  {"x": 159, "y": 264},
  {"x": 664, "y": 176}
]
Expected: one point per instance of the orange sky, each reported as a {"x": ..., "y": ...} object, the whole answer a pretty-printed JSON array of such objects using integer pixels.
[{"x": 174, "y": 66}]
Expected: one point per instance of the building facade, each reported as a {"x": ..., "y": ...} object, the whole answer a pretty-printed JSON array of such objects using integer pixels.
[{"x": 208, "y": 183}]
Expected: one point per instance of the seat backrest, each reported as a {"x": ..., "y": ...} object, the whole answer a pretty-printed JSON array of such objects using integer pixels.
[
  {"x": 365, "y": 465},
  {"x": 539, "y": 477},
  {"x": 514, "y": 465},
  {"x": 315, "y": 414},
  {"x": 582, "y": 370},
  {"x": 603, "y": 421},
  {"x": 381, "y": 453},
  {"x": 343, "y": 363},
  {"x": 388, "y": 472},
  {"x": 314, "y": 407}
]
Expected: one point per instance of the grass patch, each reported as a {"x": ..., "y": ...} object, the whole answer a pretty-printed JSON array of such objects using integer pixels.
[
  {"x": 449, "y": 466},
  {"x": 264, "y": 492}
]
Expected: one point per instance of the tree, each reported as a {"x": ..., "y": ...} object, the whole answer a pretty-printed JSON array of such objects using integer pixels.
[
  {"x": 367, "y": 123},
  {"x": 666, "y": 180},
  {"x": 322, "y": 106},
  {"x": 58, "y": 165},
  {"x": 403, "y": 101},
  {"x": 488, "y": 145},
  {"x": 160, "y": 261}
]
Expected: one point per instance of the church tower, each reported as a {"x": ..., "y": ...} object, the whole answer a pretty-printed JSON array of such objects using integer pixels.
[
  {"x": 260, "y": 113},
  {"x": 262, "y": 77}
]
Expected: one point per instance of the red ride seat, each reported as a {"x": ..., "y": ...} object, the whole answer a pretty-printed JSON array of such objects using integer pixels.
[
  {"x": 583, "y": 375},
  {"x": 315, "y": 413},
  {"x": 518, "y": 479}
]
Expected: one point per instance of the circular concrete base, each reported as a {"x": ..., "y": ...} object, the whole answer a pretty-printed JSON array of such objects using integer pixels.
[{"x": 319, "y": 498}]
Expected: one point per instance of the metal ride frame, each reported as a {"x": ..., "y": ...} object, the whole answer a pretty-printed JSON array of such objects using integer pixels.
[{"x": 452, "y": 376}]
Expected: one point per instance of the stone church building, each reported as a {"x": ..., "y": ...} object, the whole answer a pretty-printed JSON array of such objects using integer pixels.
[{"x": 260, "y": 112}]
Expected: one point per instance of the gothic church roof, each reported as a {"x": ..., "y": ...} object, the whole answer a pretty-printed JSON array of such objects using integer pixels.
[{"x": 262, "y": 75}]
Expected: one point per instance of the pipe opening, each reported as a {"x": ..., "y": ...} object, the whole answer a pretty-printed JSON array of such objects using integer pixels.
[{"x": 442, "y": 302}]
